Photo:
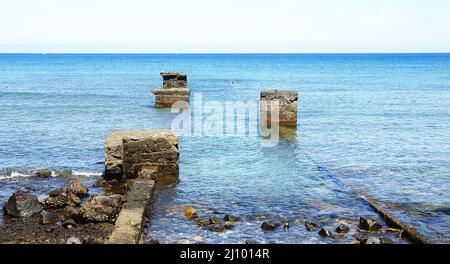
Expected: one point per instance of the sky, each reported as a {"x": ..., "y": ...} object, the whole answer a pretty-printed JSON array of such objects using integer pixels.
[{"x": 226, "y": 26}]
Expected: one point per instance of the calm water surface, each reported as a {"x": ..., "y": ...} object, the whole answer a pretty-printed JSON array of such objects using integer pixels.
[{"x": 377, "y": 123}]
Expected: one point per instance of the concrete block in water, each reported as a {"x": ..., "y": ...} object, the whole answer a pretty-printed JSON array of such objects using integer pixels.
[
  {"x": 175, "y": 88},
  {"x": 129, "y": 154},
  {"x": 287, "y": 103}
]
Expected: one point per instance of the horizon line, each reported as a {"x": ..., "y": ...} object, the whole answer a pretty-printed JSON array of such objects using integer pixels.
[{"x": 215, "y": 53}]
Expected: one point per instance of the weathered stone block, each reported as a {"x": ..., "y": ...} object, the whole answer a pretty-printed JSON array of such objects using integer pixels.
[
  {"x": 174, "y": 89},
  {"x": 174, "y": 80},
  {"x": 154, "y": 151},
  {"x": 287, "y": 104}
]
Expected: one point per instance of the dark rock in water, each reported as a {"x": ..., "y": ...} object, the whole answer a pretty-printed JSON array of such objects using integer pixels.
[
  {"x": 251, "y": 242},
  {"x": 310, "y": 226},
  {"x": 386, "y": 240},
  {"x": 22, "y": 204},
  {"x": 44, "y": 173},
  {"x": 190, "y": 213},
  {"x": 229, "y": 225},
  {"x": 286, "y": 226},
  {"x": 152, "y": 242},
  {"x": 202, "y": 222},
  {"x": 342, "y": 229},
  {"x": 102, "y": 208},
  {"x": 230, "y": 218},
  {"x": 48, "y": 218},
  {"x": 78, "y": 188},
  {"x": 325, "y": 233},
  {"x": 215, "y": 228},
  {"x": 214, "y": 220},
  {"x": 270, "y": 225},
  {"x": 73, "y": 241},
  {"x": 61, "y": 198},
  {"x": 369, "y": 224},
  {"x": 68, "y": 223},
  {"x": 372, "y": 241},
  {"x": 70, "y": 213}
]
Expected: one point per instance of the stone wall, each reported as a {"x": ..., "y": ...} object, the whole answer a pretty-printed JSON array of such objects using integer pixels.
[
  {"x": 175, "y": 88},
  {"x": 131, "y": 153},
  {"x": 287, "y": 103}
]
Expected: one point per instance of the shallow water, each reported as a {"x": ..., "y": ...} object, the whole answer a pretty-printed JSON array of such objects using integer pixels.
[{"x": 378, "y": 123}]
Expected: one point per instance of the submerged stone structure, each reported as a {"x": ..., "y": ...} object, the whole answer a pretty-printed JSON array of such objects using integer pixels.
[
  {"x": 287, "y": 104},
  {"x": 138, "y": 154},
  {"x": 175, "y": 88}
]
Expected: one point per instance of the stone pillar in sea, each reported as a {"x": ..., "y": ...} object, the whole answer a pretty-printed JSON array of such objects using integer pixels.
[
  {"x": 175, "y": 88},
  {"x": 287, "y": 104},
  {"x": 142, "y": 154}
]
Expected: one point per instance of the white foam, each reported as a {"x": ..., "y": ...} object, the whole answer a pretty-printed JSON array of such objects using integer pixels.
[
  {"x": 86, "y": 174},
  {"x": 14, "y": 174}
]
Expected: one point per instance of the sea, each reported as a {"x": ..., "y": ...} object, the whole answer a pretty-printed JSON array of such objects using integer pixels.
[{"x": 377, "y": 124}]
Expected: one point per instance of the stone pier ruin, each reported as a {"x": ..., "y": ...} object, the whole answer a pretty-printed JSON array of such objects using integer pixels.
[
  {"x": 287, "y": 103},
  {"x": 175, "y": 88},
  {"x": 130, "y": 154}
]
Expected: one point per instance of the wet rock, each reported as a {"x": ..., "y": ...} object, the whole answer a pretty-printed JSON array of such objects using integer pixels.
[
  {"x": 78, "y": 188},
  {"x": 251, "y": 242},
  {"x": 342, "y": 229},
  {"x": 270, "y": 225},
  {"x": 202, "y": 222},
  {"x": 310, "y": 226},
  {"x": 70, "y": 213},
  {"x": 386, "y": 240},
  {"x": 229, "y": 225},
  {"x": 48, "y": 218},
  {"x": 325, "y": 233},
  {"x": 372, "y": 241},
  {"x": 44, "y": 173},
  {"x": 69, "y": 223},
  {"x": 214, "y": 220},
  {"x": 190, "y": 213},
  {"x": 369, "y": 224},
  {"x": 102, "y": 208},
  {"x": 215, "y": 228},
  {"x": 61, "y": 198},
  {"x": 230, "y": 218},
  {"x": 22, "y": 204},
  {"x": 73, "y": 241}
]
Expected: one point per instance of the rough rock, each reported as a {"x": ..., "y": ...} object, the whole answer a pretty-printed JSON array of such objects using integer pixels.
[
  {"x": 325, "y": 233},
  {"x": 342, "y": 229},
  {"x": 102, "y": 208},
  {"x": 44, "y": 173},
  {"x": 22, "y": 204},
  {"x": 230, "y": 218},
  {"x": 310, "y": 226},
  {"x": 61, "y": 198},
  {"x": 70, "y": 213},
  {"x": 270, "y": 225},
  {"x": 202, "y": 222},
  {"x": 175, "y": 89},
  {"x": 78, "y": 188},
  {"x": 190, "y": 213},
  {"x": 214, "y": 220},
  {"x": 48, "y": 218},
  {"x": 287, "y": 103},
  {"x": 174, "y": 80},
  {"x": 229, "y": 225},
  {"x": 215, "y": 228},
  {"x": 74, "y": 241},
  {"x": 369, "y": 224}
]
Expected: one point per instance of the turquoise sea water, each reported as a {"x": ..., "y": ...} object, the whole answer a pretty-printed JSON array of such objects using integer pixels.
[{"x": 377, "y": 123}]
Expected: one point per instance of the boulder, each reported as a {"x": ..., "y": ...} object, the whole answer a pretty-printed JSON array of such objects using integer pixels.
[
  {"x": 230, "y": 218},
  {"x": 70, "y": 213},
  {"x": 287, "y": 103},
  {"x": 102, "y": 208},
  {"x": 22, "y": 204},
  {"x": 310, "y": 226},
  {"x": 325, "y": 233},
  {"x": 202, "y": 222},
  {"x": 342, "y": 229},
  {"x": 214, "y": 220},
  {"x": 61, "y": 198},
  {"x": 270, "y": 225},
  {"x": 78, "y": 188},
  {"x": 44, "y": 173},
  {"x": 49, "y": 218},
  {"x": 369, "y": 224},
  {"x": 190, "y": 213}
]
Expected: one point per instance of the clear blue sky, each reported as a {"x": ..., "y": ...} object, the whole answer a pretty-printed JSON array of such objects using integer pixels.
[{"x": 301, "y": 26}]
